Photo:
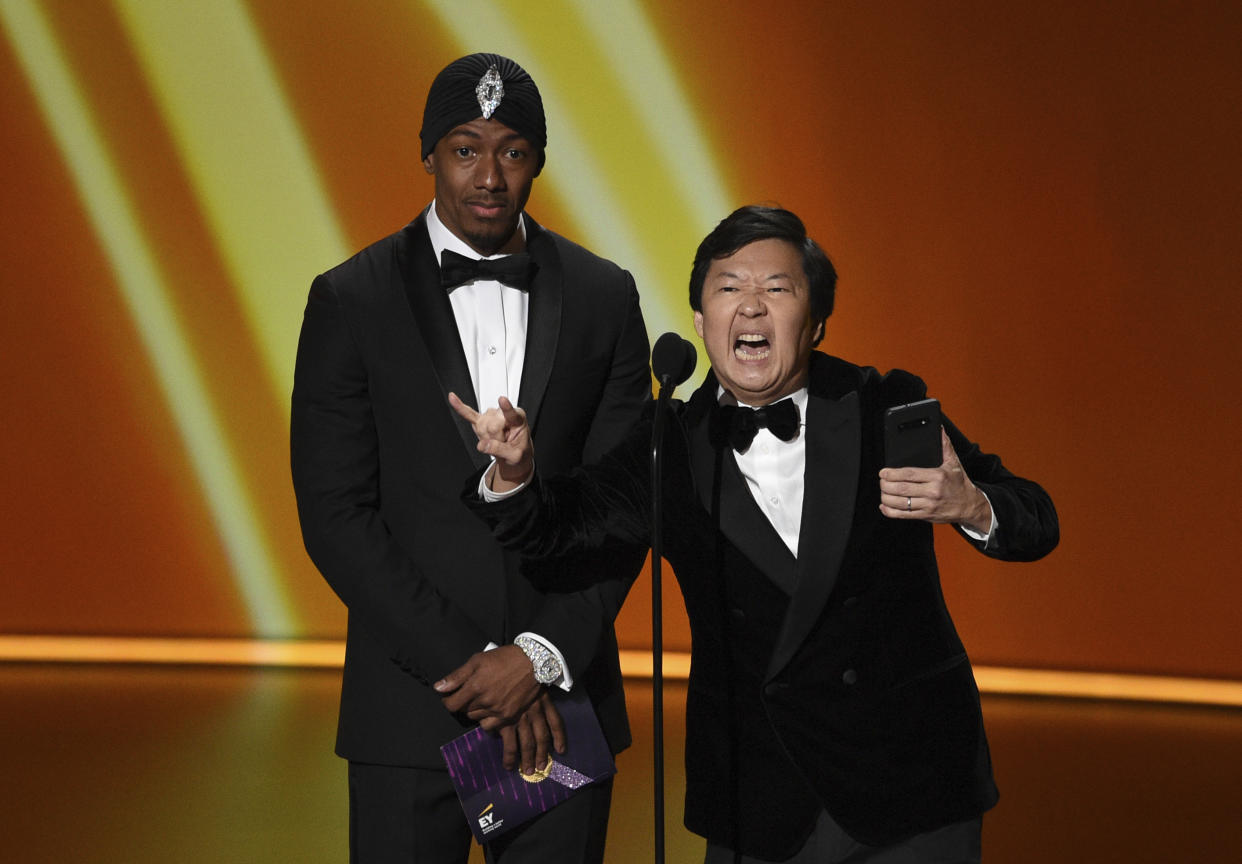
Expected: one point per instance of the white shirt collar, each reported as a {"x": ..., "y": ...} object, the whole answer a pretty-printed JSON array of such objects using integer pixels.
[{"x": 442, "y": 238}]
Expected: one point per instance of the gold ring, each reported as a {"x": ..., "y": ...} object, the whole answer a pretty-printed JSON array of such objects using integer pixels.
[{"x": 538, "y": 775}]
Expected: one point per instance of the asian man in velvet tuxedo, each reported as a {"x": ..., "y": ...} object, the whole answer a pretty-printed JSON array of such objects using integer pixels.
[
  {"x": 832, "y": 714},
  {"x": 471, "y": 297}
]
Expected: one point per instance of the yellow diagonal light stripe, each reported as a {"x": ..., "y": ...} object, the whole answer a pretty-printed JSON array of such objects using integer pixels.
[
  {"x": 625, "y": 35},
  {"x": 247, "y": 161},
  {"x": 601, "y": 69},
  {"x": 145, "y": 293},
  {"x": 577, "y": 179}
]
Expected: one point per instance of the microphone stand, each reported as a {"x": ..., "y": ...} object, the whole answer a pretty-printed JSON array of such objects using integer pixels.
[
  {"x": 657, "y": 606},
  {"x": 672, "y": 361}
]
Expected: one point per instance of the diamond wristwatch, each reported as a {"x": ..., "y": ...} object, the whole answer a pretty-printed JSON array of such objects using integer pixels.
[{"x": 546, "y": 667}]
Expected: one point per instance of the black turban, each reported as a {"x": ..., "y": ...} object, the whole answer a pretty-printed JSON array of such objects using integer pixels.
[{"x": 452, "y": 101}]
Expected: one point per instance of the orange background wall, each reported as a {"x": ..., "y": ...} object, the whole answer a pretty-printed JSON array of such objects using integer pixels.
[{"x": 1035, "y": 206}]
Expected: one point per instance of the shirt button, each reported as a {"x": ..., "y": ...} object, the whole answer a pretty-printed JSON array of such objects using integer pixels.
[
  {"x": 491, "y": 350},
  {"x": 775, "y": 499}
]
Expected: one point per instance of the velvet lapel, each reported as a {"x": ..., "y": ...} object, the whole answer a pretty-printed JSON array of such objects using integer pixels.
[
  {"x": 748, "y": 529},
  {"x": 543, "y": 321},
  {"x": 834, "y": 435},
  {"x": 433, "y": 315},
  {"x": 725, "y": 495},
  {"x": 705, "y": 461}
]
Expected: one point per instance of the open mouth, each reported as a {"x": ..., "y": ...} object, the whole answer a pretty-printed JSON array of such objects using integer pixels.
[{"x": 751, "y": 346}]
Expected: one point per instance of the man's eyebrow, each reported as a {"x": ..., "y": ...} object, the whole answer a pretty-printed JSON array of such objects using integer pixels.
[{"x": 729, "y": 274}]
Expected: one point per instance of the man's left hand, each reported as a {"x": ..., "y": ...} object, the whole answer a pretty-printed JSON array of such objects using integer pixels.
[
  {"x": 528, "y": 744},
  {"x": 943, "y": 494},
  {"x": 493, "y": 688}
]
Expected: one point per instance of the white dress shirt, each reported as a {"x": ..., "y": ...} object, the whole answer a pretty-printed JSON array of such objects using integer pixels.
[
  {"x": 774, "y": 472},
  {"x": 491, "y": 322}
]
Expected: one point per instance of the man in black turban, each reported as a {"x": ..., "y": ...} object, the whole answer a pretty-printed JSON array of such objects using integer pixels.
[{"x": 472, "y": 297}]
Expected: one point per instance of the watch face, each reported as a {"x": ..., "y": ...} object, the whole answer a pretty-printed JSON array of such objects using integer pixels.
[
  {"x": 548, "y": 671},
  {"x": 543, "y": 662}
]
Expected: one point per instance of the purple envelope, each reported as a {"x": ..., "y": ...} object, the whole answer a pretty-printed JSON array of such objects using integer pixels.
[{"x": 496, "y": 800}]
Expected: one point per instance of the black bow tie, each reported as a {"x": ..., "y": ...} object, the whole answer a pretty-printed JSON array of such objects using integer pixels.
[
  {"x": 512, "y": 270},
  {"x": 737, "y": 425}
]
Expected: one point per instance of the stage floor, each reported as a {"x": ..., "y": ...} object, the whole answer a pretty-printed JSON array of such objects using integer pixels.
[{"x": 141, "y": 764}]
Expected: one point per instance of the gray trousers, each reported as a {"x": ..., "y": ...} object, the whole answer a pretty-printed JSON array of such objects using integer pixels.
[{"x": 960, "y": 843}]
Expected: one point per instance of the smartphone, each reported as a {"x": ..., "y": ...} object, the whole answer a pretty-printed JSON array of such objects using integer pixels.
[{"x": 912, "y": 435}]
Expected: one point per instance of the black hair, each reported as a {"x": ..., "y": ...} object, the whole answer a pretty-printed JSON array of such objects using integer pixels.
[{"x": 753, "y": 222}]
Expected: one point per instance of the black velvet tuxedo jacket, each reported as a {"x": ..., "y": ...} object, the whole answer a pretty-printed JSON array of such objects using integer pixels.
[
  {"x": 835, "y": 679},
  {"x": 378, "y": 456}
]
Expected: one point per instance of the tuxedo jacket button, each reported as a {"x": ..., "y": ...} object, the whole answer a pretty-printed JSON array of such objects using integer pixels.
[
  {"x": 737, "y": 614},
  {"x": 849, "y": 676}
]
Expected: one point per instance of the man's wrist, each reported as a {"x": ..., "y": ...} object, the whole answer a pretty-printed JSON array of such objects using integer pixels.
[
  {"x": 982, "y": 523},
  {"x": 490, "y": 495},
  {"x": 544, "y": 663},
  {"x": 506, "y": 478},
  {"x": 500, "y": 485}
]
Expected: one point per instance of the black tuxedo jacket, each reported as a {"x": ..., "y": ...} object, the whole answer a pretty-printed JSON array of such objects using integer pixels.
[
  {"x": 378, "y": 456},
  {"x": 834, "y": 679}
]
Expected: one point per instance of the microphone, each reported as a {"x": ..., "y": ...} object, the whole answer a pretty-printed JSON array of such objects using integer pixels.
[
  {"x": 672, "y": 362},
  {"x": 673, "y": 359}
]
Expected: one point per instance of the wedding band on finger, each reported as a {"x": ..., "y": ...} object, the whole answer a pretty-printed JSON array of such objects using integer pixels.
[{"x": 908, "y": 502}]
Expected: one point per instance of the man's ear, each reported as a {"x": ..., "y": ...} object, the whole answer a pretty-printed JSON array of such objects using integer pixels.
[
  {"x": 429, "y": 164},
  {"x": 698, "y": 323}
]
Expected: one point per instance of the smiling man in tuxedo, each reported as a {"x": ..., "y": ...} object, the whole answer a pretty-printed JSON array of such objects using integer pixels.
[
  {"x": 832, "y": 714},
  {"x": 472, "y": 297}
]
